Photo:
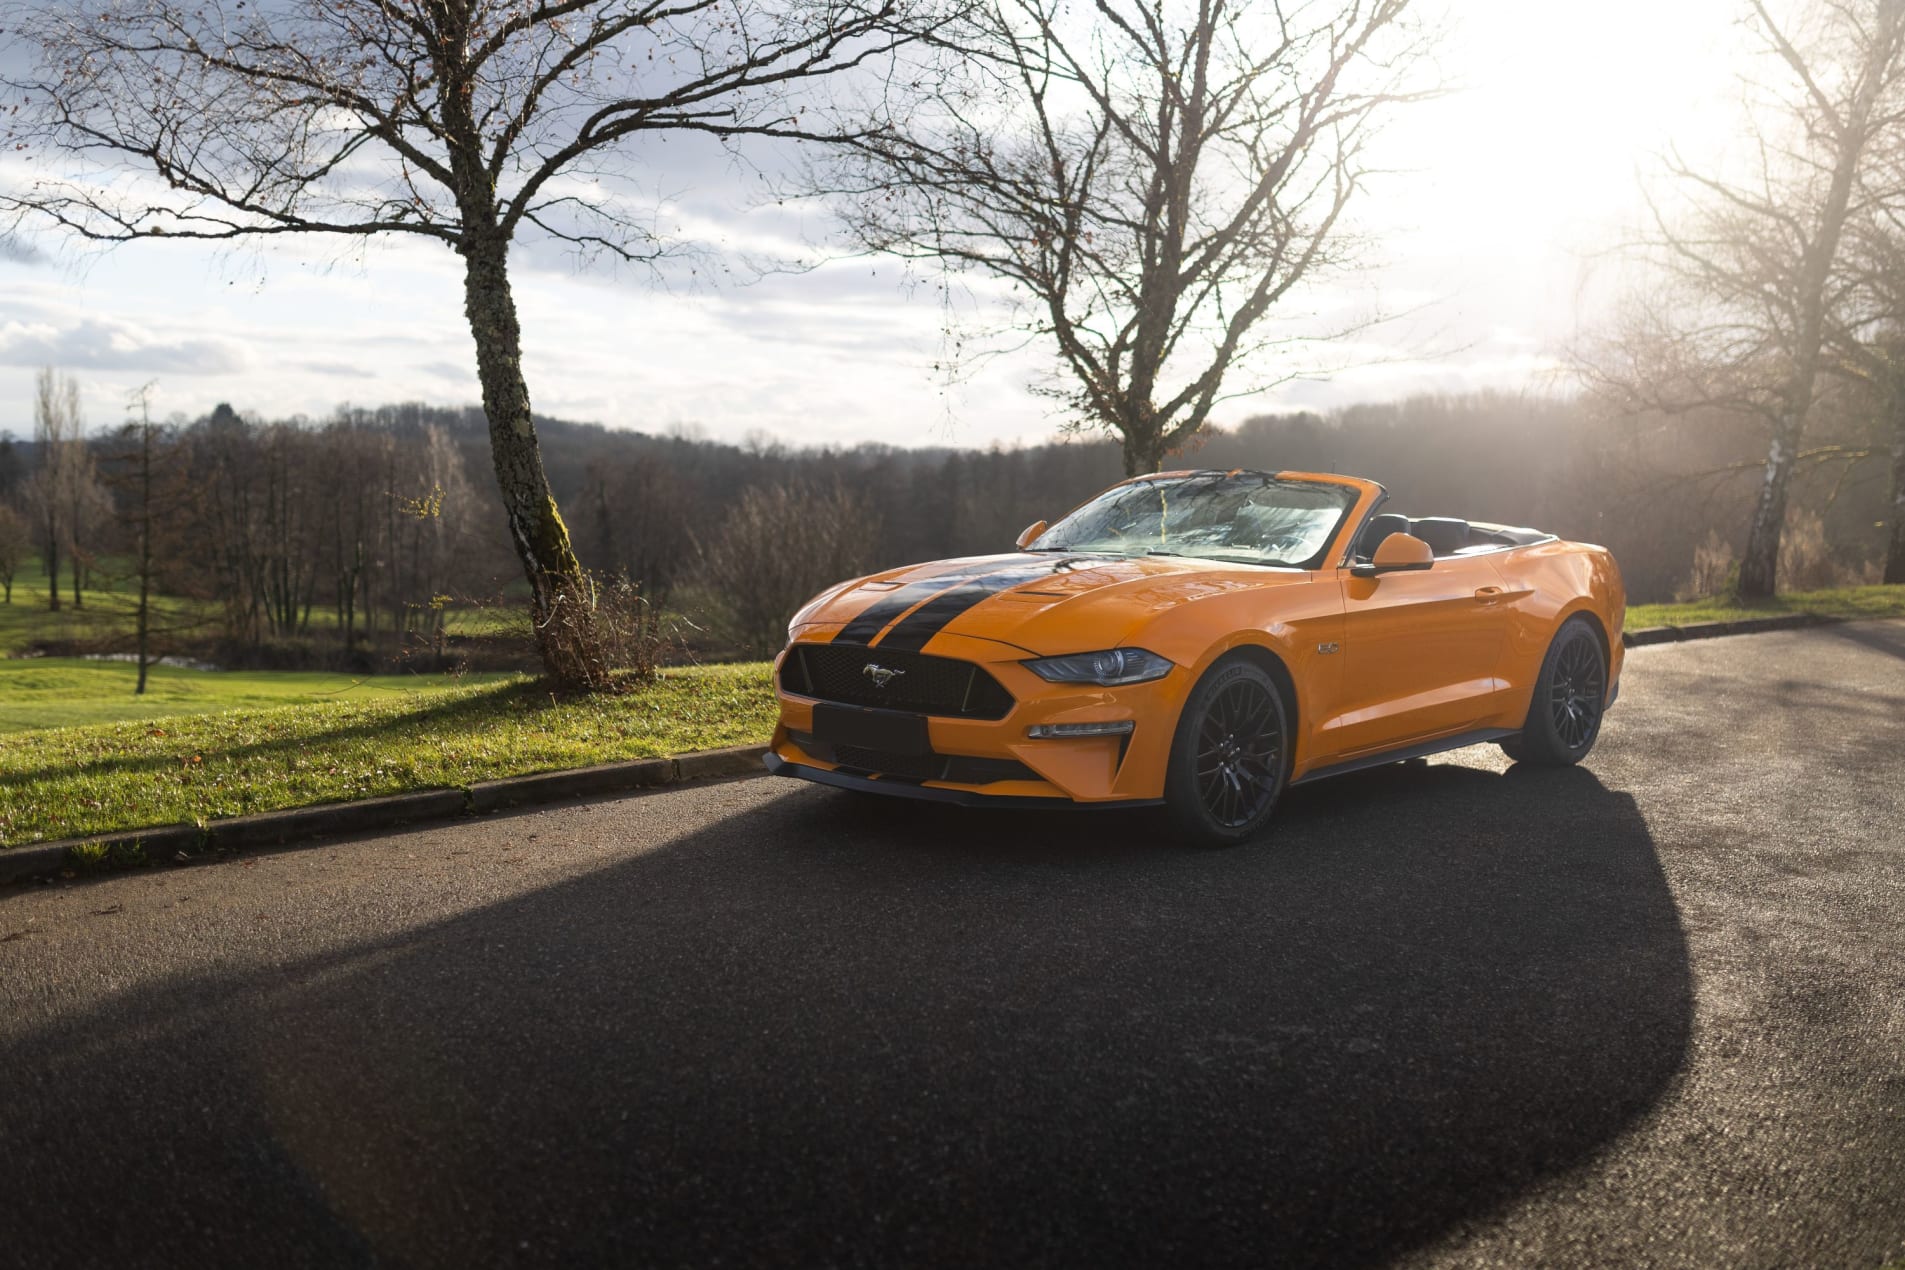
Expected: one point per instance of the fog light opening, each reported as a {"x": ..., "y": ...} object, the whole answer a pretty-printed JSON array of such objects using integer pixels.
[{"x": 1054, "y": 731}]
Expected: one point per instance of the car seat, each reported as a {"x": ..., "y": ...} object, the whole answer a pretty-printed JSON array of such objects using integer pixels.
[
  {"x": 1379, "y": 528},
  {"x": 1444, "y": 534}
]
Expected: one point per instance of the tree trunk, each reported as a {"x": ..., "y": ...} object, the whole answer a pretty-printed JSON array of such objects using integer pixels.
[
  {"x": 53, "y": 573},
  {"x": 1143, "y": 451},
  {"x": 145, "y": 553},
  {"x": 1759, "y": 567},
  {"x": 145, "y": 628},
  {"x": 1895, "y": 552},
  {"x": 561, "y": 606}
]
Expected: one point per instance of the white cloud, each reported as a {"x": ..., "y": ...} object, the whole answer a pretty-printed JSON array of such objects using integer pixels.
[
  {"x": 1474, "y": 236},
  {"x": 105, "y": 344}
]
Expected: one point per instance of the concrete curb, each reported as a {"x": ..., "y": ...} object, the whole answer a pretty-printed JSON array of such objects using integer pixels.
[
  {"x": 1712, "y": 630},
  {"x": 173, "y": 843}
]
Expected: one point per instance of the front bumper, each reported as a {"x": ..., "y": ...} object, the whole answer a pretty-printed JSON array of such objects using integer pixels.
[
  {"x": 940, "y": 793},
  {"x": 1120, "y": 770}
]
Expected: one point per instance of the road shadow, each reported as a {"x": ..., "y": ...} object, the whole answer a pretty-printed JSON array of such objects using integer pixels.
[
  {"x": 1888, "y": 638},
  {"x": 846, "y": 1031}
]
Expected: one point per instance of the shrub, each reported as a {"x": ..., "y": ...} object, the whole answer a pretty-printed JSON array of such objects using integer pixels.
[
  {"x": 779, "y": 546},
  {"x": 1715, "y": 570},
  {"x": 1805, "y": 558}
]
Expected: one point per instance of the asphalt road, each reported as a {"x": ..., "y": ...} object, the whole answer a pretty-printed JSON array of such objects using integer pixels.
[{"x": 1650, "y": 1011}]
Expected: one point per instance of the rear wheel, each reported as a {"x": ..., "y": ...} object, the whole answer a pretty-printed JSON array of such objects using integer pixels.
[
  {"x": 1564, "y": 719},
  {"x": 1230, "y": 755}
]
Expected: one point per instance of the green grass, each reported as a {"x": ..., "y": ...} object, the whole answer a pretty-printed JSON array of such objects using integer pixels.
[
  {"x": 107, "y": 614},
  {"x": 1848, "y": 602},
  {"x": 70, "y": 781},
  {"x": 111, "y": 607},
  {"x": 49, "y": 692}
]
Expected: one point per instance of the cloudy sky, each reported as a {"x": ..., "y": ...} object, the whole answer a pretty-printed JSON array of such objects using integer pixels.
[{"x": 1486, "y": 235}]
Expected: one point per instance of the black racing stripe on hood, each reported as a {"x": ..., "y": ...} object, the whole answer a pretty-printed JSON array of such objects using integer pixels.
[
  {"x": 878, "y": 615},
  {"x": 931, "y": 617}
]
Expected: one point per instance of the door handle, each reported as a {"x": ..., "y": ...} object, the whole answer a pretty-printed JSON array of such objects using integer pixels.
[{"x": 1489, "y": 594}]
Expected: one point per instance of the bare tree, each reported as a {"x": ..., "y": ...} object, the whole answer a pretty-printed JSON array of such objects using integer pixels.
[
  {"x": 57, "y": 429},
  {"x": 146, "y": 473},
  {"x": 1748, "y": 266},
  {"x": 88, "y": 511},
  {"x": 16, "y": 540},
  {"x": 431, "y": 526},
  {"x": 638, "y": 520},
  {"x": 1865, "y": 329},
  {"x": 778, "y": 546},
  {"x": 1151, "y": 179},
  {"x": 463, "y": 122}
]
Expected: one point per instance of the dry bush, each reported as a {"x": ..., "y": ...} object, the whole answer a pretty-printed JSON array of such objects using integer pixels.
[
  {"x": 626, "y": 635},
  {"x": 1805, "y": 562},
  {"x": 1714, "y": 570},
  {"x": 629, "y": 630},
  {"x": 1805, "y": 558},
  {"x": 606, "y": 619},
  {"x": 778, "y": 547}
]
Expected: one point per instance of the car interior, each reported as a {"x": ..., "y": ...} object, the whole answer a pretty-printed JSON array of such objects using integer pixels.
[{"x": 1445, "y": 535}]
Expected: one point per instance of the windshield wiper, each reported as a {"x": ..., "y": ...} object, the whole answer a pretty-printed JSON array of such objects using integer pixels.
[{"x": 1193, "y": 555}]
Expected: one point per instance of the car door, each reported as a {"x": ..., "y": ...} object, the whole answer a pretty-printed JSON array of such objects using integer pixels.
[{"x": 1421, "y": 655}]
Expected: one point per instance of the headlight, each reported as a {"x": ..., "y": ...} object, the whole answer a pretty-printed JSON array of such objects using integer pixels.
[{"x": 1112, "y": 667}]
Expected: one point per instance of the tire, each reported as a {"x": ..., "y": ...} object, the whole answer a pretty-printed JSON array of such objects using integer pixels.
[
  {"x": 1230, "y": 757},
  {"x": 1564, "y": 719}
]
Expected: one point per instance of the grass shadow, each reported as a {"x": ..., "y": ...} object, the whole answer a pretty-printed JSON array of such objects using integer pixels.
[{"x": 472, "y": 706}]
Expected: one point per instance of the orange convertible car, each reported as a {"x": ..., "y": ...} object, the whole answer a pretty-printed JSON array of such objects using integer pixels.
[{"x": 1202, "y": 640}]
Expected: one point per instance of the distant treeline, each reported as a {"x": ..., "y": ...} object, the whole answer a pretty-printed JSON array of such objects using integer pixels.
[{"x": 360, "y": 532}]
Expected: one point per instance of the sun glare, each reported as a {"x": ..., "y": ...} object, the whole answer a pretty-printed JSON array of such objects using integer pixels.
[{"x": 1552, "y": 110}]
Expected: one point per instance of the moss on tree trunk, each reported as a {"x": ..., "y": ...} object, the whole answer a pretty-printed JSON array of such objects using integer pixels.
[{"x": 561, "y": 603}]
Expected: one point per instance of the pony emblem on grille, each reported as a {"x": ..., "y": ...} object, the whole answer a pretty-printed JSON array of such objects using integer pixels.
[{"x": 880, "y": 675}]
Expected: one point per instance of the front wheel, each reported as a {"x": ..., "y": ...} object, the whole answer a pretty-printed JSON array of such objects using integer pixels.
[
  {"x": 1230, "y": 755},
  {"x": 1564, "y": 719}
]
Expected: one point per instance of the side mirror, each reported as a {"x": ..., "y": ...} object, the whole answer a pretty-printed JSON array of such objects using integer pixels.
[
  {"x": 1398, "y": 553},
  {"x": 1032, "y": 531}
]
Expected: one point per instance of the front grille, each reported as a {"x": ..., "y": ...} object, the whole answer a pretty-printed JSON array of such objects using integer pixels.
[{"x": 926, "y": 684}]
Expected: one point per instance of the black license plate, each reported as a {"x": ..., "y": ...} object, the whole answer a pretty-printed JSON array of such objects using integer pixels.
[{"x": 889, "y": 730}]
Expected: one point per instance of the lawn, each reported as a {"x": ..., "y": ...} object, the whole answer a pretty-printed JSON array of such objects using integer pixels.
[
  {"x": 1848, "y": 602},
  {"x": 110, "y": 610},
  {"x": 107, "y": 614},
  {"x": 80, "y": 754},
  {"x": 368, "y": 740},
  {"x": 58, "y": 692}
]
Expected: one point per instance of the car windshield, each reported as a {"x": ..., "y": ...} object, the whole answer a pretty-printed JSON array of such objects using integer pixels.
[{"x": 1242, "y": 517}]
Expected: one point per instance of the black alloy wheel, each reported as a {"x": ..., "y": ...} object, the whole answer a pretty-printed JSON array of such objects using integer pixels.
[
  {"x": 1231, "y": 754},
  {"x": 1576, "y": 695},
  {"x": 1564, "y": 719}
]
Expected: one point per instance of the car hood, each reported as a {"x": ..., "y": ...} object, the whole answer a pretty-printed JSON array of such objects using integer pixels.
[{"x": 1044, "y": 602}]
